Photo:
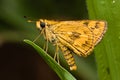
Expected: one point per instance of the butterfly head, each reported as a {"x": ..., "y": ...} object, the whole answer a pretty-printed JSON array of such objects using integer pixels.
[{"x": 41, "y": 24}]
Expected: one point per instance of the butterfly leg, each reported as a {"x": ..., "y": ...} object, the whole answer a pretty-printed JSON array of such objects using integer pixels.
[
  {"x": 46, "y": 43},
  {"x": 57, "y": 54},
  {"x": 46, "y": 47},
  {"x": 38, "y": 36},
  {"x": 68, "y": 57}
]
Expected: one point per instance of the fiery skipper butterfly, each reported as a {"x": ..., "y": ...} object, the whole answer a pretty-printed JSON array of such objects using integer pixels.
[{"x": 79, "y": 37}]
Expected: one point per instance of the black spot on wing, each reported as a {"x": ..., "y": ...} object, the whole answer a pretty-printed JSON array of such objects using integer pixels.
[
  {"x": 86, "y": 23},
  {"x": 96, "y": 26},
  {"x": 74, "y": 35}
]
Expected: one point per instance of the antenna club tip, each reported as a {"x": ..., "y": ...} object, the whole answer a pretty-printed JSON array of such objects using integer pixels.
[
  {"x": 29, "y": 21},
  {"x": 25, "y": 16}
]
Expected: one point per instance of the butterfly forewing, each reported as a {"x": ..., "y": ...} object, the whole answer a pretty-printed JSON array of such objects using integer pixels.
[{"x": 77, "y": 38}]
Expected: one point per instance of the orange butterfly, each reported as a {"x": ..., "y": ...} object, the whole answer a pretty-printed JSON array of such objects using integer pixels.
[{"x": 79, "y": 37}]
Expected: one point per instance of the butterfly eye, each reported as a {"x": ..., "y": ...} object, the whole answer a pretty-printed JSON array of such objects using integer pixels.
[{"x": 42, "y": 24}]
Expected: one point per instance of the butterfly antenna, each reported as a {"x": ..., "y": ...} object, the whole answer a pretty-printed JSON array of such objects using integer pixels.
[{"x": 29, "y": 19}]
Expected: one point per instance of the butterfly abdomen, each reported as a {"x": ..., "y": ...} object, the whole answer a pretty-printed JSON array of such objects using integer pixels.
[{"x": 68, "y": 57}]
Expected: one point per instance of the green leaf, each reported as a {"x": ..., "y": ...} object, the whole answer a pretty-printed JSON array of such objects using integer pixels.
[
  {"x": 107, "y": 52},
  {"x": 61, "y": 72}
]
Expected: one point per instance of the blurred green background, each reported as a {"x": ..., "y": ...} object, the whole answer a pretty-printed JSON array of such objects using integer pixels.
[{"x": 19, "y": 61}]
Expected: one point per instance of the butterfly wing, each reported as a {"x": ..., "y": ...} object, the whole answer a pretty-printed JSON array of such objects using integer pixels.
[
  {"x": 97, "y": 27},
  {"x": 76, "y": 37}
]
